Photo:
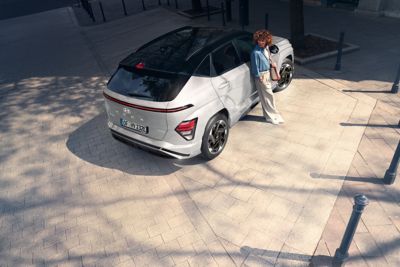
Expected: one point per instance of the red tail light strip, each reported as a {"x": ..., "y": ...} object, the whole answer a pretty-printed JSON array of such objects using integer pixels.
[{"x": 162, "y": 110}]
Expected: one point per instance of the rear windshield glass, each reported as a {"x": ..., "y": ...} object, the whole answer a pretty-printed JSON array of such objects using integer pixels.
[{"x": 147, "y": 85}]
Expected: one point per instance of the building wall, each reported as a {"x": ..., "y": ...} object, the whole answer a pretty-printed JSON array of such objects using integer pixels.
[{"x": 389, "y": 8}]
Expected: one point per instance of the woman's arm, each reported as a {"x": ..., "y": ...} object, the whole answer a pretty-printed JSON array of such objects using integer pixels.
[{"x": 254, "y": 64}]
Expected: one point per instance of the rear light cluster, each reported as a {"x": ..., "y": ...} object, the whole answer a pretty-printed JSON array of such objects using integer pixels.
[{"x": 187, "y": 129}]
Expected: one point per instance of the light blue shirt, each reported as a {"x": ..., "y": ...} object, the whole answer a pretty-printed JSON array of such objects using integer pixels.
[{"x": 259, "y": 62}]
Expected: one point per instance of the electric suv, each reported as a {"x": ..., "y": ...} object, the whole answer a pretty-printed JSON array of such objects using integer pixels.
[{"x": 180, "y": 93}]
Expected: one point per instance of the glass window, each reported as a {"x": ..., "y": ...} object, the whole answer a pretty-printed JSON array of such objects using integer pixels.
[
  {"x": 204, "y": 68},
  {"x": 245, "y": 46},
  {"x": 147, "y": 85},
  {"x": 225, "y": 59}
]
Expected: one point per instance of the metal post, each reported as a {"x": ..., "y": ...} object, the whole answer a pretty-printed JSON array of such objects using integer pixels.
[
  {"x": 102, "y": 11},
  {"x": 228, "y": 5},
  {"x": 176, "y": 4},
  {"x": 266, "y": 21},
  {"x": 396, "y": 84},
  {"x": 223, "y": 14},
  {"x": 159, "y": 2},
  {"x": 339, "y": 55},
  {"x": 83, "y": 3},
  {"x": 91, "y": 13},
  {"x": 244, "y": 12},
  {"x": 390, "y": 174},
  {"x": 360, "y": 202},
  {"x": 124, "y": 7},
  {"x": 208, "y": 10},
  {"x": 144, "y": 7},
  {"x": 168, "y": 2}
]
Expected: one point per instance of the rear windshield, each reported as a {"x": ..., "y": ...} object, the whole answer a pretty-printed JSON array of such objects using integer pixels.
[{"x": 147, "y": 85}]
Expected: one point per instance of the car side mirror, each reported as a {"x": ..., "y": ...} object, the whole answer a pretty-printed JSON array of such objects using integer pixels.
[{"x": 273, "y": 49}]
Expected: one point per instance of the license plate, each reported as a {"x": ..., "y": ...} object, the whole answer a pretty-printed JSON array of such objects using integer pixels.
[{"x": 133, "y": 126}]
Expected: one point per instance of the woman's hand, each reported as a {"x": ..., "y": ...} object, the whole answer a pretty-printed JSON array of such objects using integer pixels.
[{"x": 273, "y": 64}]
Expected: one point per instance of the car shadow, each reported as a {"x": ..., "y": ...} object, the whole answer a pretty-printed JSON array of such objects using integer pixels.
[
  {"x": 253, "y": 118},
  {"x": 93, "y": 143}
]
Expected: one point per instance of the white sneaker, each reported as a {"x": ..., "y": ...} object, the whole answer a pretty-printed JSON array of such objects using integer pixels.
[
  {"x": 275, "y": 122},
  {"x": 280, "y": 120}
]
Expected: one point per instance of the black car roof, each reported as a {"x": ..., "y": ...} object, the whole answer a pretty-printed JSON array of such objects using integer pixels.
[{"x": 181, "y": 50}]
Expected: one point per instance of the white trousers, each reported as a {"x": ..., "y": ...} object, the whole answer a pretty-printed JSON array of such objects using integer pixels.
[{"x": 266, "y": 95}]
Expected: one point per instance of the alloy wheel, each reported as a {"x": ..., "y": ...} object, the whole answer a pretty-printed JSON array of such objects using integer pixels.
[
  {"x": 286, "y": 75},
  {"x": 217, "y": 137}
]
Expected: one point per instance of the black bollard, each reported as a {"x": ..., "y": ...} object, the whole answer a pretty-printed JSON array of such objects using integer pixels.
[
  {"x": 390, "y": 174},
  {"x": 208, "y": 11},
  {"x": 168, "y": 2},
  {"x": 124, "y": 7},
  {"x": 223, "y": 14},
  {"x": 176, "y": 4},
  {"x": 360, "y": 202},
  {"x": 339, "y": 54},
  {"x": 159, "y": 2},
  {"x": 91, "y": 13},
  {"x": 143, "y": 6},
  {"x": 102, "y": 11},
  {"x": 395, "y": 87},
  {"x": 266, "y": 21},
  {"x": 244, "y": 12},
  {"x": 228, "y": 5}
]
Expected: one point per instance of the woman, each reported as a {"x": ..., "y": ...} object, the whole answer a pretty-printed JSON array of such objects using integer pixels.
[{"x": 260, "y": 67}]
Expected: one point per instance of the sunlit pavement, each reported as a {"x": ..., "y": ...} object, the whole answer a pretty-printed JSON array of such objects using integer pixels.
[{"x": 71, "y": 195}]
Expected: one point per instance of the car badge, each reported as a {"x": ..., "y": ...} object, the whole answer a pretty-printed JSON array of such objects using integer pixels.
[{"x": 126, "y": 110}]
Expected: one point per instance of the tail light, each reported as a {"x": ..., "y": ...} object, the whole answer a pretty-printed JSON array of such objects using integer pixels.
[
  {"x": 187, "y": 129},
  {"x": 140, "y": 65}
]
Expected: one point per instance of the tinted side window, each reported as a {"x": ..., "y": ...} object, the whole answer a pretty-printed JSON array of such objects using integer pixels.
[
  {"x": 225, "y": 59},
  {"x": 245, "y": 46},
  {"x": 204, "y": 68}
]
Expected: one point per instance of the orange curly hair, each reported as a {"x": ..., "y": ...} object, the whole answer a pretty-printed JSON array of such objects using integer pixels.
[{"x": 262, "y": 35}]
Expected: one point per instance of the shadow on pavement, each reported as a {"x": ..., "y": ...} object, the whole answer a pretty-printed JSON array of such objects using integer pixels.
[
  {"x": 93, "y": 142},
  {"x": 371, "y": 180},
  {"x": 289, "y": 258},
  {"x": 369, "y": 125},
  {"x": 253, "y": 118},
  {"x": 367, "y": 91}
]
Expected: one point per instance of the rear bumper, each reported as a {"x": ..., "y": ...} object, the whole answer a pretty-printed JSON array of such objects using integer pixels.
[{"x": 154, "y": 145}]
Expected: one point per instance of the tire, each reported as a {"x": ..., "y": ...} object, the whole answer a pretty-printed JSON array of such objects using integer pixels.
[
  {"x": 215, "y": 136},
  {"x": 286, "y": 72}
]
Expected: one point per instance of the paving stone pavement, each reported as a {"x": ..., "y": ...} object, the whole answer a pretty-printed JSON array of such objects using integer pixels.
[
  {"x": 71, "y": 195},
  {"x": 376, "y": 242}
]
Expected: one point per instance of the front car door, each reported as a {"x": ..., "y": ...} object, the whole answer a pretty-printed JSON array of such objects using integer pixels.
[
  {"x": 228, "y": 79},
  {"x": 244, "y": 46}
]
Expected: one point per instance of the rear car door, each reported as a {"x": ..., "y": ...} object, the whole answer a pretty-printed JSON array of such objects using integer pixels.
[{"x": 228, "y": 79}]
